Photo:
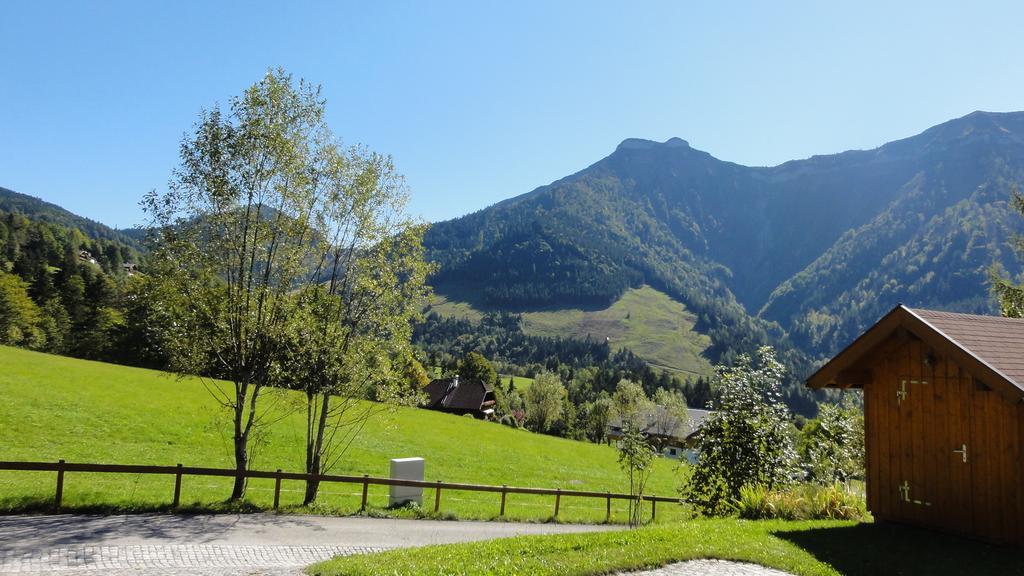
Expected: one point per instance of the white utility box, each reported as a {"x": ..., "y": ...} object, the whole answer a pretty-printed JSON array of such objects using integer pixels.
[{"x": 406, "y": 469}]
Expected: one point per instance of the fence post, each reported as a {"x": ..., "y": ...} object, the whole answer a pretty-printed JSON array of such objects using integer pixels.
[
  {"x": 277, "y": 490},
  {"x": 177, "y": 487},
  {"x": 366, "y": 487},
  {"x": 654, "y": 509},
  {"x": 437, "y": 497},
  {"x": 608, "y": 513},
  {"x": 60, "y": 483},
  {"x": 503, "y": 492},
  {"x": 558, "y": 501}
]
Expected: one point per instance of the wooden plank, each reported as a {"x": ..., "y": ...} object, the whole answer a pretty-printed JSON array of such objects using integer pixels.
[
  {"x": 939, "y": 465},
  {"x": 895, "y": 433},
  {"x": 1020, "y": 473},
  {"x": 992, "y": 463},
  {"x": 934, "y": 443},
  {"x": 882, "y": 434},
  {"x": 983, "y": 476},
  {"x": 871, "y": 447},
  {"x": 1011, "y": 487},
  {"x": 907, "y": 434},
  {"x": 919, "y": 483},
  {"x": 959, "y": 513}
]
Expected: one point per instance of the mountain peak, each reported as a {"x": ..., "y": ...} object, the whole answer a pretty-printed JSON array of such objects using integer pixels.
[{"x": 643, "y": 144}]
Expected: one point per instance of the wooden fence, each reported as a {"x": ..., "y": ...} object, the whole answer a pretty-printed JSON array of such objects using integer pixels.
[{"x": 61, "y": 468}]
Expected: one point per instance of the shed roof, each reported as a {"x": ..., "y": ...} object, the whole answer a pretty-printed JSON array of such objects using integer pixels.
[
  {"x": 991, "y": 347},
  {"x": 457, "y": 393}
]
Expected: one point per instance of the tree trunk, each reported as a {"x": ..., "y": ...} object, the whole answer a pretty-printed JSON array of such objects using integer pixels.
[
  {"x": 241, "y": 465},
  {"x": 241, "y": 439},
  {"x": 315, "y": 446}
]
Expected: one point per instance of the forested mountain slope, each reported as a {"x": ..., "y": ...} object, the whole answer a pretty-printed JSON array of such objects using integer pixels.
[
  {"x": 803, "y": 255},
  {"x": 43, "y": 211}
]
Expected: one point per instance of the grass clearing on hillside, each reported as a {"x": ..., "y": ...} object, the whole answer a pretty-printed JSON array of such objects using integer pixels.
[
  {"x": 809, "y": 548},
  {"x": 52, "y": 407},
  {"x": 522, "y": 382},
  {"x": 648, "y": 322}
]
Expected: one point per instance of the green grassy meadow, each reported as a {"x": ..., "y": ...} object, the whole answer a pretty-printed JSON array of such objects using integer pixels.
[
  {"x": 52, "y": 407},
  {"x": 522, "y": 382},
  {"x": 805, "y": 548},
  {"x": 648, "y": 322}
]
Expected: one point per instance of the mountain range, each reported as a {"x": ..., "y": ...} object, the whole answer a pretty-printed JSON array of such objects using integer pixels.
[
  {"x": 689, "y": 260},
  {"x": 803, "y": 255}
]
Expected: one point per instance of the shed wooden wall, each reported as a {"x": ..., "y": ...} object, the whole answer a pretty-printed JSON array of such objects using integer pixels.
[{"x": 910, "y": 443}]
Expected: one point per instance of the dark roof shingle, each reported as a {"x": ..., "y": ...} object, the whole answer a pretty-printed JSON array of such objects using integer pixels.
[
  {"x": 997, "y": 341},
  {"x": 458, "y": 393}
]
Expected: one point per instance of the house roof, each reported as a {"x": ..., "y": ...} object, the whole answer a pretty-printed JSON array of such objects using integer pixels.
[
  {"x": 696, "y": 418},
  {"x": 990, "y": 347},
  {"x": 457, "y": 393}
]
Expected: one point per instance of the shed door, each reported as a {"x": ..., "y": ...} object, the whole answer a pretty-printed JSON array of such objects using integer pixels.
[
  {"x": 949, "y": 434},
  {"x": 993, "y": 454},
  {"x": 928, "y": 482},
  {"x": 954, "y": 450}
]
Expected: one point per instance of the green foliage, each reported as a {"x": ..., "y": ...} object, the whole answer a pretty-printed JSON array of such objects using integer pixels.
[
  {"x": 746, "y": 440},
  {"x": 40, "y": 211},
  {"x": 629, "y": 404},
  {"x": 287, "y": 260},
  {"x": 545, "y": 401},
  {"x": 21, "y": 323},
  {"x": 475, "y": 366},
  {"x": 635, "y": 458},
  {"x": 831, "y": 446},
  {"x": 63, "y": 292},
  {"x": 1010, "y": 295},
  {"x": 669, "y": 417},
  {"x": 594, "y": 418}
]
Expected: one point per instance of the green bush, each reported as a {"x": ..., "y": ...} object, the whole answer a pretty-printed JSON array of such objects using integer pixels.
[
  {"x": 803, "y": 502},
  {"x": 746, "y": 440}
]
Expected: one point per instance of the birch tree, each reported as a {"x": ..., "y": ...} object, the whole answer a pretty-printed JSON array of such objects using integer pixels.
[
  {"x": 352, "y": 339},
  {"x": 233, "y": 240}
]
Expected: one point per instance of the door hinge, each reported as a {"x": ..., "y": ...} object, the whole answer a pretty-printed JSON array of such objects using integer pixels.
[
  {"x": 905, "y": 495},
  {"x": 905, "y": 491}
]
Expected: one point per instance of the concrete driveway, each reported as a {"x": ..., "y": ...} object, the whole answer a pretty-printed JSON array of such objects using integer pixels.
[{"x": 222, "y": 544}]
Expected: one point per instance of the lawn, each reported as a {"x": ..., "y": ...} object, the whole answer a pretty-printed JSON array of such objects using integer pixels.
[
  {"x": 52, "y": 407},
  {"x": 522, "y": 382},
  {"x": 648, "y": 322},
  {"x": 809, "y": 548}
]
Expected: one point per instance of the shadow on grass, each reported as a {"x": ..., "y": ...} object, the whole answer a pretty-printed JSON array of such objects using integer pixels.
[
  {"x": 12, "y": 506},
  {"x": 32, "y": 505},
  {"x": 875, "y": 549}
]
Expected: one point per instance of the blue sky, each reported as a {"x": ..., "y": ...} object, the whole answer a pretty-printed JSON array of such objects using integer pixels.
[{"x": 480, "y": 101}]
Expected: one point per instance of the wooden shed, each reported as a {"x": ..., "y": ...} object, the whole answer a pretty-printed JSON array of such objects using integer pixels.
[{"x": 944, "y": 420}]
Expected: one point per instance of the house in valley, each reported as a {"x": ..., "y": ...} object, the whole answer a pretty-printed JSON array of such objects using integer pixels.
[
  {"x": 461, "y": 396},
  {"x": 670, "y": 436},
  {"x": 944, "y": 420}
]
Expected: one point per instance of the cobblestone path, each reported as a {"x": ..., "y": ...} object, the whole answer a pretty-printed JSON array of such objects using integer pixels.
[
  {"x": 167, "y": 560},
  {"x": 710, "y": 568}
]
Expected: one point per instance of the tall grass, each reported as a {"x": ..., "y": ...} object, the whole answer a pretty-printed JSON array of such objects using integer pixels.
[{"x": 801, "y": 502}]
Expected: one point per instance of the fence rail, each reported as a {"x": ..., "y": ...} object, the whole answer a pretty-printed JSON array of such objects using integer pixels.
[{"x": 61, "y": 468}]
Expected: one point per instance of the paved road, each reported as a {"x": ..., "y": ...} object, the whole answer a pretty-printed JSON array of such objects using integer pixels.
[
  {"x": 227, "y": 544},
  {"x": 251, "y": 544}
]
